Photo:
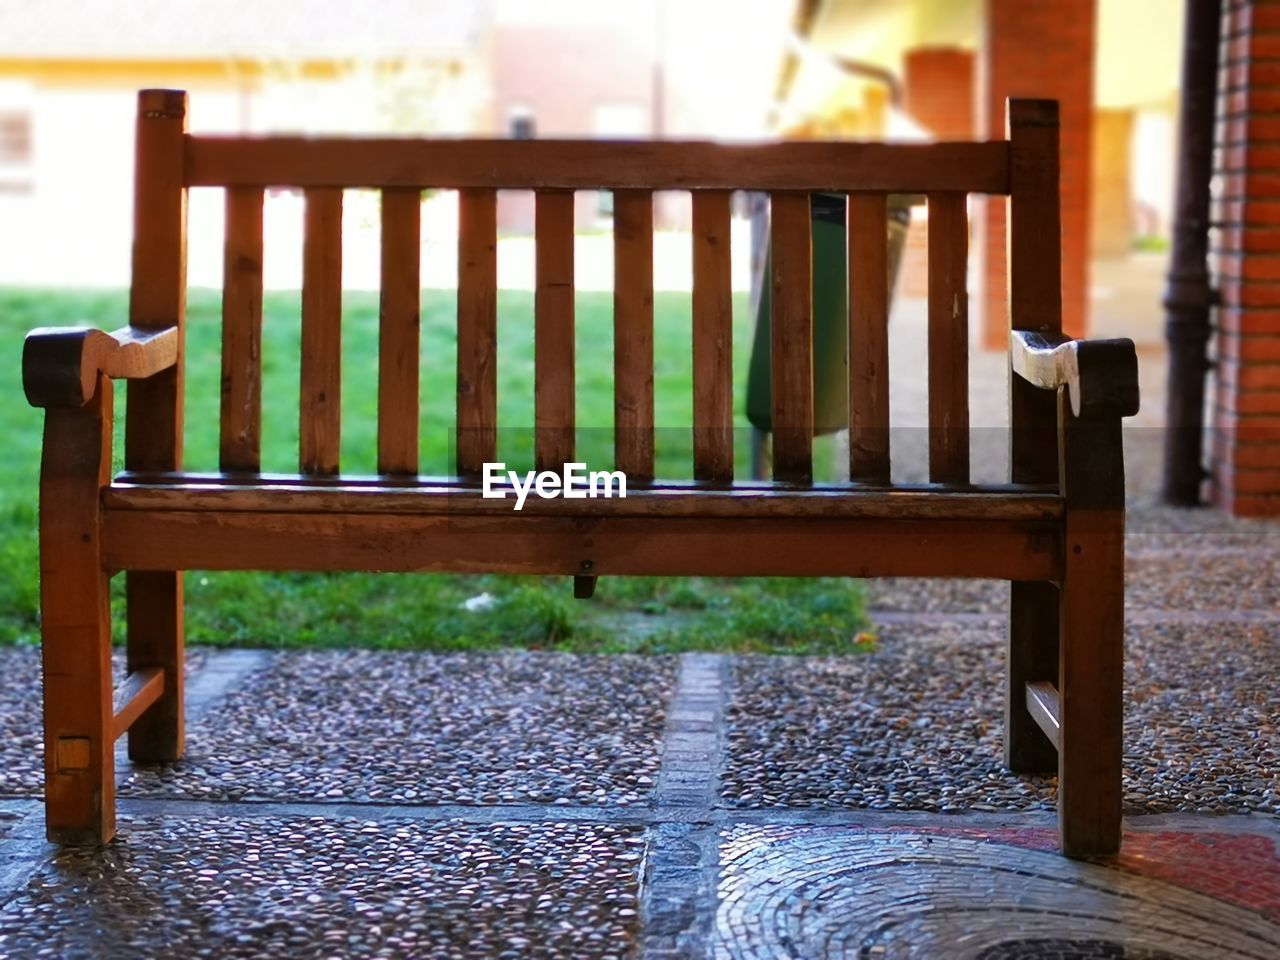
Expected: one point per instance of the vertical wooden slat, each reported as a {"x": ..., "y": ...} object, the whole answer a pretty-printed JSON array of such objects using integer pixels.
[
  {"x": 477, "y": 331},
  {"x": 398, "y": 332},
  {"x": 75, "y": 623},
  {"x": 319, "y": 429},
  {"x": 868, "y": 338},
  {"x": 553, "y": 329},
  {"x": 792, "y": 336},
  {"x": 712, "y": 338},
  {"x": 153, "y": 435},
  {"x": 633, "y": 333},
  {"x": 1035, "y": 297},
  {"x": 241, "y": 440},
  {"x": 948, "y": 339}
]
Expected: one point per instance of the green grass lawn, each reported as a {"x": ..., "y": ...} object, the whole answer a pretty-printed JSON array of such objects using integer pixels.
[{"x": 425, "y": 611}]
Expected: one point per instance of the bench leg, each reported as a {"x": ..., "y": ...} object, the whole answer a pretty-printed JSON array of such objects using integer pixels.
[
  {"x": 1031, "y": 653},
  {"x": 1091, "y": 663},
  {"x": 155, "y": 640},
  {"x": 76, "y": 624}
]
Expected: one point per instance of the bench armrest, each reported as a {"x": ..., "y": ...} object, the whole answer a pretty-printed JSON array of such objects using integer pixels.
[
  {"x": 60, "y": 365},
  {"x": 1101, "y": 376}
]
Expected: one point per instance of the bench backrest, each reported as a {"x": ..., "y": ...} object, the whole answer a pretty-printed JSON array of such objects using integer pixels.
[{"x": 169, "y": 160}]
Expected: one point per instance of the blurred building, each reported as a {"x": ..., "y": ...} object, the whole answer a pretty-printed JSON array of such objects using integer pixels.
[
  {"x": 1112, "y": 65},
  {"x": 69, "y": 73}
]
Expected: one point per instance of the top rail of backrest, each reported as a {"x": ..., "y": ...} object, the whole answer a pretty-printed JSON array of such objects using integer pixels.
[{"x": 964, "y": 167}]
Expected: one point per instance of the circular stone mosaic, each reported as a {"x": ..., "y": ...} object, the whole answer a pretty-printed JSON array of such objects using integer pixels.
[{"x": 795, "y": 891}]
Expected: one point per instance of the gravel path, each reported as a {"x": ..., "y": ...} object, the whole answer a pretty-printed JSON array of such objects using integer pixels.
[
  {"x": 316, "y": 887},
  {"x": 430, "y": 729},
  {"x": 21, "y": 737},
  {"x": 917, "y": 725}
]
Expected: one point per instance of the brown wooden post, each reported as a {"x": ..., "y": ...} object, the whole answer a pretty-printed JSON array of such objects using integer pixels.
[
  {"x": 75, "y": 617},
  {"x": 153, "y": 436},
  {"x": 1035, "y": 303},
  {"x": 1091, "y": 659}
]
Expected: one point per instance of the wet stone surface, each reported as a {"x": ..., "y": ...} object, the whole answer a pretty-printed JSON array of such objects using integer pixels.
[
  {"x": 795, "y": 891},
  {"x": 21, "y": 739},
  {"x": 315, "y": 887},
  {"x": 430, "y": 729},
  {"x": 918, "y": 725}
]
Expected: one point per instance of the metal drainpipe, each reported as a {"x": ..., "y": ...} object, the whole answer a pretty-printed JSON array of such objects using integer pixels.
[{"x": 1189, "y": 296}]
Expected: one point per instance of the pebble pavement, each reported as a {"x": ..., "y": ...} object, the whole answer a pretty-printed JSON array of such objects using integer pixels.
[
  {"x": 917, "y": 725},
  {"x": 370, "y": 726},
  {"x": 21, "y": 748},
  {"x": 320, "y": 887}
]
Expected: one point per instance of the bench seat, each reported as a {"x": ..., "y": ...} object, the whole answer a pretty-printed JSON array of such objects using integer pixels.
[{"x": 280, "y": 522}]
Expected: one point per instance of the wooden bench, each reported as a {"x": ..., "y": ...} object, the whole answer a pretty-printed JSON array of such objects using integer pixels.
[{"x": 1055, "y": 530}]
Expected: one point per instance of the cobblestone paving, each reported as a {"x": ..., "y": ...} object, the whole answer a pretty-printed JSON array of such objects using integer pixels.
[
  {"x": 918, "y": 725},
  {"x": 321, "y": 887},
  {"x": 803, "y": 891},
  {"x": 408, "y": 728},
  {"x": 21, "y": 744}
]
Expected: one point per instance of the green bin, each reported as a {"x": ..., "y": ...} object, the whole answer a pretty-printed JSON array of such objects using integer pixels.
[{"x": 830, "y": 316}]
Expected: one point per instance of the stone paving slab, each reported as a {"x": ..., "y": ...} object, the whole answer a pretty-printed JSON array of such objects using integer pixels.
[
  {"x": 317, "y": 887},
  {"x": 413, "y": 728},
  {"x": 804, "y": 891},
  {"x": 918, "y": 724},
  {"x": 21, "y": 725}
]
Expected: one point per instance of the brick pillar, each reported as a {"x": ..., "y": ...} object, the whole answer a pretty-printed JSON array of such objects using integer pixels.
[
  {"x": 938, "y": 90},
  {"x": 1246, "y": 447},
  {"x": 1042, "y": 48},
  {"x": 939, "y": 93}
]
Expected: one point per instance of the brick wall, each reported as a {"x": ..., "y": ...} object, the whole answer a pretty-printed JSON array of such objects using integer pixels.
[
  {"x": 1245, "y": 454},
  {"x": 1042, "y": 48}
]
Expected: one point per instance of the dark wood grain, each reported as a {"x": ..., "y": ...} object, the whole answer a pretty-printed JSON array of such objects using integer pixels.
[
  {"x": 1091, "y": 652},
  {"x": 633, "y": 333},
  {"x": 154, "y": 417},
  {"x": 320, "y": 414},
  {"x": 1035, "y": 288},
  {"x": 553, "y": 330},
  {"x": 477, "y": 331},
  {"x": 712, "y": 338},
  {"x": 240, "y": 446},
  {"x": 75, "y": 623},
  {"x": 948, "y": 339},
  {"x": 398, "y": 332},
  {"x": 546, "y": 164},
  {"x": 792, "y": 332},
  {"x": 868, "y": 338}
]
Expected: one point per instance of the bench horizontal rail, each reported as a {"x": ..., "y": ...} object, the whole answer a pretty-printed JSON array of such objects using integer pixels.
[
  {"x": 1042, "y": 703},
  {"x": 598, "y": 546},
  {"x": 60, "y": 365},
  {"x": 595, "y": 164},
  {"x": 657, "y": 501},
  {"x": 139, "y": 691}
]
